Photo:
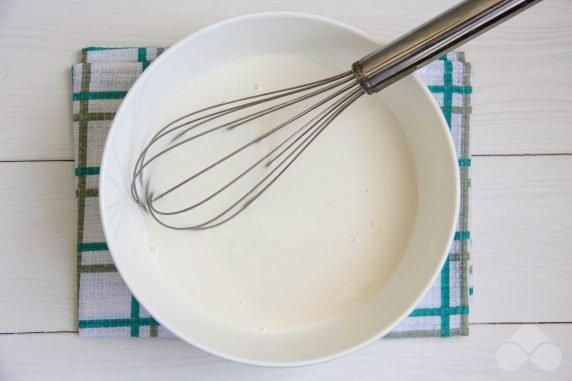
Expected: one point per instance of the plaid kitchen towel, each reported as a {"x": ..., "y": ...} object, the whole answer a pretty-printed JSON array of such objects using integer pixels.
[{"x": 107, "y": 308}]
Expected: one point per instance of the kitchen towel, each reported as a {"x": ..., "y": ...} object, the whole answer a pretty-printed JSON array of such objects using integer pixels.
[{"x": 107, "y": 308}]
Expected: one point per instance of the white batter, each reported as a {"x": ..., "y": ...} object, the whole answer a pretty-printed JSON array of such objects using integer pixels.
[{"x": 323, "y": 239}]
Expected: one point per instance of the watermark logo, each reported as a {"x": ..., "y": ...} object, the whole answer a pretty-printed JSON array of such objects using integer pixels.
[{"x": 529, "y": 342}]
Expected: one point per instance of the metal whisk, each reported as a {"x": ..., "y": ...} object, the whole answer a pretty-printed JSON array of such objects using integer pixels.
[{"x": 330, "y": 97}]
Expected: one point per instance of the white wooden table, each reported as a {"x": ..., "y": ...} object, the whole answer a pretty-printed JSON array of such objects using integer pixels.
[{"x": 522, "y": 192}]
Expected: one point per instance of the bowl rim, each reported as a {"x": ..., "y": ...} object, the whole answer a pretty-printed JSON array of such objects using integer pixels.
[{"x": 149, "y": 307}]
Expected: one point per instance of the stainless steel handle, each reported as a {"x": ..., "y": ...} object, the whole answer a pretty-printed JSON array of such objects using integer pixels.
[{"x": 440, "y": 35}]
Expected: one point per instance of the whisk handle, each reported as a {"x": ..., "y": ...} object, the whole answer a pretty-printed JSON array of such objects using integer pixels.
[{"x": 426, "y": 43}]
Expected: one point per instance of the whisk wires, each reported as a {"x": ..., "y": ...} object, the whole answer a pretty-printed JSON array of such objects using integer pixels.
[{"x": 333, "y": 95}]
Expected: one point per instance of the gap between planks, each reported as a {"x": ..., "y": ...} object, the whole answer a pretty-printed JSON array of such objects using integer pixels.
[{"x": 470, "y": 324}]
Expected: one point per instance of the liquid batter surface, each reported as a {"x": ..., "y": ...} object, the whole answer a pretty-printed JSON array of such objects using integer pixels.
[{"x": 320, "y": 241}]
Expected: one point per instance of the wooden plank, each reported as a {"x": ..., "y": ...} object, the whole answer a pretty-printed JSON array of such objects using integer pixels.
[
  {"x": 522, "y": 97},
  {"x": 523, "y": 90},
  {"x": 522, "y": 218},
  {"x": 66, "y": 356},
  {"x": 37, "y": 247},
  {"x": 522, "y": 230}
]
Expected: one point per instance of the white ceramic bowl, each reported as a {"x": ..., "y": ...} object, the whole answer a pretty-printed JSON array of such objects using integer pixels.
[{"x": 318, "y": 39}]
